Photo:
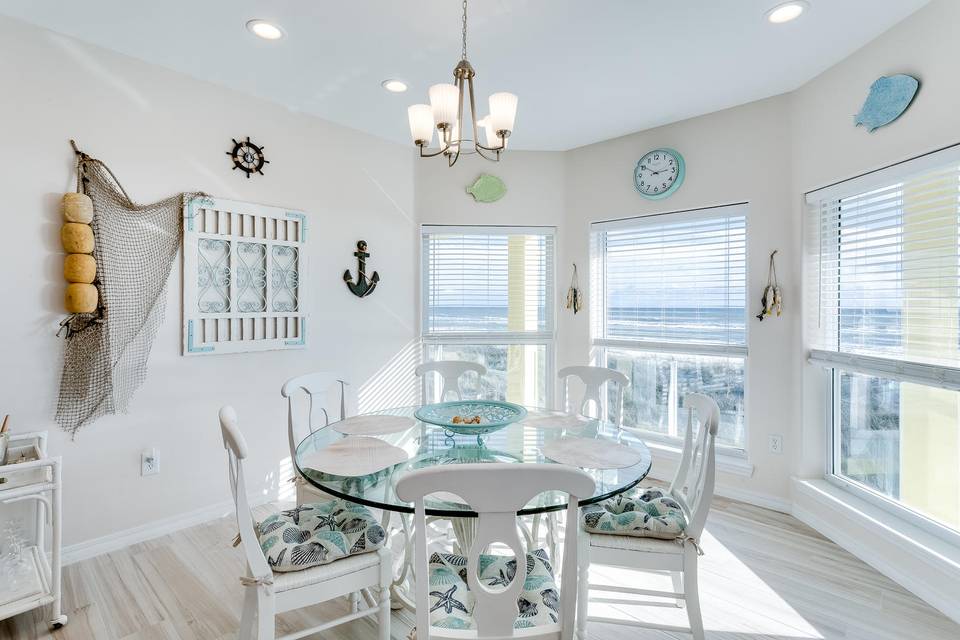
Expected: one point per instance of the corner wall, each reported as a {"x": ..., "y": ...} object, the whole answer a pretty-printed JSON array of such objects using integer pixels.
[
  {"x": 732, "y": 156},
  {"x": 164, "y": 133}
]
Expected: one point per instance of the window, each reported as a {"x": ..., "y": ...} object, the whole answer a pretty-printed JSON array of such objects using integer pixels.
[
  {"x": 488, "y": 298},
  {"x": 668, "y": 303},
  {"x": 885, "y": 257}
]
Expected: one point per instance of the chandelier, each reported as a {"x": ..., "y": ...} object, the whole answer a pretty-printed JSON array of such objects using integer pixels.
[{"x": 446, "y": 113}]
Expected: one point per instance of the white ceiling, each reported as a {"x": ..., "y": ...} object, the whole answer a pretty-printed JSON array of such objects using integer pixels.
[{"x": 585, "y": 71}]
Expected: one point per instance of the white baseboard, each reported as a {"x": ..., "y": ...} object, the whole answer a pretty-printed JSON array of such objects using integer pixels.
[
  {"x": 141, "y": 533},
  {"x": 901, "y": 551}
]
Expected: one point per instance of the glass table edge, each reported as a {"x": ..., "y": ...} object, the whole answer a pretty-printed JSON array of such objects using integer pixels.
[{"x": 445, "y": 513}]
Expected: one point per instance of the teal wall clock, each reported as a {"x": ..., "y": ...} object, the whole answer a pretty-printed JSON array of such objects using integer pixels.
[{"x": 659, "y": 173}]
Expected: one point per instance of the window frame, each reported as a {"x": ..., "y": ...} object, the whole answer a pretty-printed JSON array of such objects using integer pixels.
[
  {"x": 835, "y": 362},
  {"x": 598, "y": 324},
  {"x": 545, "y": 338},
  {"x": 832, "y": 463}
]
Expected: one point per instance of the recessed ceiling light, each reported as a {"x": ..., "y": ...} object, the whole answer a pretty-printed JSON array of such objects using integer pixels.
[
  {"x": 265, "y": 30},
  {"x": 394, "y": 86},
  {"x": 787, "y": 11}
]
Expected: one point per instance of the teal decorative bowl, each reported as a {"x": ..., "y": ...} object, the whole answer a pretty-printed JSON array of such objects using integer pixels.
[{"x": 493, "y": 414}]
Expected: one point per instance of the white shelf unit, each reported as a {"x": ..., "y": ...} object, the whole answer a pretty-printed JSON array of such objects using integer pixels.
[{"x": 37, "y": 481}]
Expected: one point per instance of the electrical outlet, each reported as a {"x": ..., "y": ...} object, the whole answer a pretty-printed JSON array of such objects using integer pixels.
[
  {"x": 149, "y": 462},
  {"x": 776, "y": 443}
]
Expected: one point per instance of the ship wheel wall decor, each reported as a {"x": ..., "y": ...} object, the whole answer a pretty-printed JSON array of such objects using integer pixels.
[{"x": 247, "y": 157}]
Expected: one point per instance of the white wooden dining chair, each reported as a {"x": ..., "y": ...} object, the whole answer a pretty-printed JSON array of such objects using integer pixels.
[
  {"x": 269, "y": 593},
  {"x": 692, "y": 489},
  {"x": 495, "y": 491},
  {"x": 450, "y": 372},
  {"x": 593, "y": 379},
  {"x": 317, "y": 387}
]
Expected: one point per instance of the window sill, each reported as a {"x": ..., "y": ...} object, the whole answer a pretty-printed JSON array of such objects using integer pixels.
[
  {"x": 921, "y": 562},
  {"x": 726, "y": 463}
]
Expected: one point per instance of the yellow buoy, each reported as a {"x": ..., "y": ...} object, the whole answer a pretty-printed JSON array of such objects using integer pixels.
[
  {"x": 77, "y": 207},
  {"x": 81, "y": 298},
  {"x": 76, "y": 238},
  {"x": 79, "y": 267}
]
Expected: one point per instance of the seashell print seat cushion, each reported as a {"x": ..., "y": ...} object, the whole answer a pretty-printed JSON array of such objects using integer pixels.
[
  {"x": 314, "y": 534},
  {"x": 452, "y": 602},
  {"x": 643, "y": 512}
]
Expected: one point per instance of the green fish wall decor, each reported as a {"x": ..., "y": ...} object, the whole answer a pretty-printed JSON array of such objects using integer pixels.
[{"x": 487, "y": 188}]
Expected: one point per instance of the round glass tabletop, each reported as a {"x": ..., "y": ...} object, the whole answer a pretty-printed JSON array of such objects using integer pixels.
[{"x": 427, "y": 445}]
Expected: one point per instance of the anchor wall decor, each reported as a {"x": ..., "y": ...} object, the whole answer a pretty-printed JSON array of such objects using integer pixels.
[{"x": 363, "y": 286}]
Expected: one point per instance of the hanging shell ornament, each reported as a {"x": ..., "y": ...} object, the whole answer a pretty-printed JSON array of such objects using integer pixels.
[
  {"x": 772, "y": 300},
  {"x": 574, "y": 296},
  {"x": 487, "y": 188}
]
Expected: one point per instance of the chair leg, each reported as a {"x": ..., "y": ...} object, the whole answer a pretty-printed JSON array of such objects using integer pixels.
[
  {"x": 266, "y": 610},
  {"x": 383, "y": 616},
  {"x": 692, "y": 592},
  {"x": 583, "y": 584},
  {"x": 354, "y": 602},
  {"x": 386, "y": 580},
  {"x": 677, "y": 577},
  {"x": 248, "y": 614}
]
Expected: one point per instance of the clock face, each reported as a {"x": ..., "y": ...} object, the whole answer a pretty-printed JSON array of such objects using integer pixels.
[{"x": 659, "y": 173}]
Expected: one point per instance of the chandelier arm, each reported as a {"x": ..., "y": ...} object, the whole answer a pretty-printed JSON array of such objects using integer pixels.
[
  {"x": 431, "y": 155},
  {"x": 460, "y": 82},
  {"x": 503, "y": 145},
  {"x": 485, "y": 156},
  {"x": 473, "y": 114},
  {"x": 453, "y": 157}
]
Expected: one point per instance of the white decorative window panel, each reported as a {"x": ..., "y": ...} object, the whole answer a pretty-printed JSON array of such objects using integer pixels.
[{"x": 243, "y": 277}]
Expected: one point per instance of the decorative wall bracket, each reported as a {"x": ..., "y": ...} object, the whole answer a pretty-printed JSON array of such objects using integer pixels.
[{"x": 363, "y": 286}]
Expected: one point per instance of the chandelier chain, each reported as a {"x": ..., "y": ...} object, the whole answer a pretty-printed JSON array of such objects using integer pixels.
[{"x": 464, "y": 54}]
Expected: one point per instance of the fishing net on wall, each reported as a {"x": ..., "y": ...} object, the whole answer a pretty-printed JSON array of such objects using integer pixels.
[{"x": 106, "y": 353}]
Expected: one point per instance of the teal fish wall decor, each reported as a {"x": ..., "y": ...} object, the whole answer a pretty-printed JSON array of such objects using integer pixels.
[
  {"x": 487, "y": 188},
  {"x": 889, "y": 97}
]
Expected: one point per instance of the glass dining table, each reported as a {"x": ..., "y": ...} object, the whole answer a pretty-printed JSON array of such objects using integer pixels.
[{"x": 426, "y": 445}]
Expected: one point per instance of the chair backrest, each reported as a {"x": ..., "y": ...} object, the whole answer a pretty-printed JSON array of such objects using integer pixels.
[
  {"x": 236, "y": 447},
  {"x": 692, "y": 486},
  {"x": 496, "y": 491},
  {"x": 449, "y": 372},
  {"x": 593, "y": 379},
  {"x": 316, "y": 385}
]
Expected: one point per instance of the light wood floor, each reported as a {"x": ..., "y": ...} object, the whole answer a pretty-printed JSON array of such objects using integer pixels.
[{"x": 764, "y": 576}]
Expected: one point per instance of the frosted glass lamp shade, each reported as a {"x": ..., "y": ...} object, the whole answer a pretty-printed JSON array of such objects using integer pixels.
[
  {"x": 421, "y": 123},
  {"x": 492, "y": 140},
  {"x": 503, "y": 111},
  {"x": 444, "y": 101}
]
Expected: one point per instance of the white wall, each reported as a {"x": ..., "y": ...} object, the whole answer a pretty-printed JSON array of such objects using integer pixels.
[
  {"x": 535, "y": 193},
  {"x": 827, "y": 148},
  {"x": 737, "y": 155},
  {"x": 163, "y": 133},
  {"x": 732, "y": 156}
]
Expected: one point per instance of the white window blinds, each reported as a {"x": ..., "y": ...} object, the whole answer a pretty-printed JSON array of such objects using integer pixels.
[
  {"x": 887, "y": 266},
  {"x": 487, "y": 279},
  {"x": 675, "y": 281}
]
